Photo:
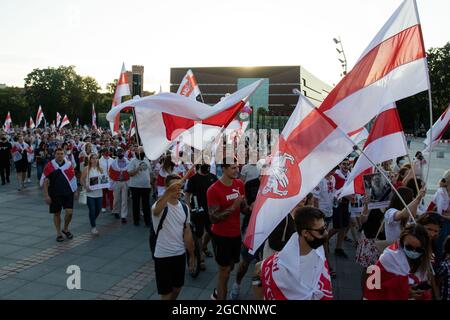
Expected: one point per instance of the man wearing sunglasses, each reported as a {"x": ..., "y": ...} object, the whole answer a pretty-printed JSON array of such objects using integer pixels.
[{"x": 300, "y": 270}]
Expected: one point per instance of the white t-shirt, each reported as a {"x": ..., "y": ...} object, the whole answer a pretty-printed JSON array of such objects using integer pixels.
[
  {"x": 142, "y": 178},
  {"x": 392, "y": 228},
  {"x": 442, "y": 200},
  {"x": 324, "y": 192},
  {"x": 93, "y": 173},
  {"x": 307, "y": 267},
  {"x": 170, "y": 240},
  {"x": 250, "y": 172}
]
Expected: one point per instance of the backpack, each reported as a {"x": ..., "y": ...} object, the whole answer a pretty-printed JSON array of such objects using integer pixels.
[{"x": 154, "y": 235}]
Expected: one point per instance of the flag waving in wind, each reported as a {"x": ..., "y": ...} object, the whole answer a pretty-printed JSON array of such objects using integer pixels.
[
  {"x": 8, "y": 122},
  {"x": 65, "y": 121},
  {"x": 39, "y": 116},
  {"x": 132, "y": 129},
  {"x": 308, "y": 148},
  {"x": 58, "y": 119},
  {"x": 386, "y": 141},
  {"x": 162, "y": 118},
  {"x": 94, "y": 117},
  {"x": 393, "y": 67},
  {"x": 32, "y": 126},
  {"x": 122, "y": 90},
  {"x": 438, "y": 130},
  {"x": 188, "y": 86}
]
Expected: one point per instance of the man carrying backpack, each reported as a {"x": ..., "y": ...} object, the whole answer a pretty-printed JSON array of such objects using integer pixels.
[{"x": 170, "y": 236}]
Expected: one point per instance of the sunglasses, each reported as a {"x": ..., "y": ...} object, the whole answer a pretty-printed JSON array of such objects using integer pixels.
[
  {"x": 321, "y": 231},
  {"x": 411, "y": 248}
]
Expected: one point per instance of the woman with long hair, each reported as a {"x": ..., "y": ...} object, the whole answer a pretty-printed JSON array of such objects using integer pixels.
[{"x": 89, "y": 178}]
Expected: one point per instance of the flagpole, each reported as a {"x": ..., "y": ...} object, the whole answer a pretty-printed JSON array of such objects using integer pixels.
[{"x": 136, "y": 127}]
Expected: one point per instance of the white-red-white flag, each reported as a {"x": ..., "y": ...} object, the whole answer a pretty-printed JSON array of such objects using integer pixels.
[
  {"x": 309, "y": 147},
  {"x": 58, "y": 119},
  {"x": 393, "y": 67},
  {"x": 132, "y": 129},
  {"x": 438, "y": 130},
  {"x": 165, "y": 117},
  {"x": 39, "y": 116},
  {"x": 8, "y": 122},
  {"x": 359, "y": 136},
  {"x": 65, "y": 121},
  {"x": 31, "y": 123},
  {"x": 122, "y": 90},
  {"x": 24, "y": 129},
  {"x": 188, "y": 86},
  {"x": 386, "y": 141},
  {"x": 94, "y": 117}
]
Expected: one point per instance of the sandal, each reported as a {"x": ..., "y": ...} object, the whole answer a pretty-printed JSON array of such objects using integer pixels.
[
  {"x": 59, "y": 239},
  {"x": 67, "y": 234}
]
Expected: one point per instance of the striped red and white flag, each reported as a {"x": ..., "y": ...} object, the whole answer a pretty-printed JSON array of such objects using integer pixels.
[
  {"x": 359, "y": 136},
  {"x": 65, "y": 121},
  {"x": 8, "y": 122},
  {"x": 308, "y": 148},
  {"x": 393, "y": 67},
  {"x": 386, "y": 141},
  {"x": 188, "y": 86},
  {"x": 31, "y": 123},
  {"x": 438, "y": 130},
  {"x": 165, "y": 117},
  {"x": 132, "y": 129},
  {"x": 58, "y": 119},
  {"x": 24, "y": 129},
  {"x": 39, "y": 116},
  {"x": 122, "y": 90}
]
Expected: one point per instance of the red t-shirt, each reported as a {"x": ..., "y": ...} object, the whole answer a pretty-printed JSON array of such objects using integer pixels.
[{"x": 224, "y": 196}]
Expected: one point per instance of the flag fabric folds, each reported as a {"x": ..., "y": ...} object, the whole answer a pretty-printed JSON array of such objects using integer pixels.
[
  {"x": 122, "y": 90},
  {"x": 438, "y": 130},
  {"x": 188, "y": 86}
]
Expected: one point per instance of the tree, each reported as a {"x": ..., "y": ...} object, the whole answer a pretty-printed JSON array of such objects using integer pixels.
[
  {"x": 414, "y": 110},
  {"x": 12, "y": 99}
]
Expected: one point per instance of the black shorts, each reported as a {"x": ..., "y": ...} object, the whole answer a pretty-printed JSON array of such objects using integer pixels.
[
  {"x": 341, "y": 216},
  {"x": 169, "y": 273},
  {"x": 200, "y": 222},
  {"x": 61, "y": 202},
  {"x": 226, "y": 250},
  {"x": 21, "y": 166}
]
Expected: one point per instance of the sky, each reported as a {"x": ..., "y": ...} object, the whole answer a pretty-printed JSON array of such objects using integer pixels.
[{"x": 98, "y": 35}]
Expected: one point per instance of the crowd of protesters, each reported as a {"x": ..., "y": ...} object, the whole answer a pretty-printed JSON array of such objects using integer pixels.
[{"x": 188, "y": 207}]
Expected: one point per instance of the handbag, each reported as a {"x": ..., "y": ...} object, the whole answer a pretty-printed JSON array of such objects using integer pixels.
[{"x": 82, "y": 198}]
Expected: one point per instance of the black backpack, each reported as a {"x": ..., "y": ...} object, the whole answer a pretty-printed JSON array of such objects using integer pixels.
[{"x": 154, "y": 236}]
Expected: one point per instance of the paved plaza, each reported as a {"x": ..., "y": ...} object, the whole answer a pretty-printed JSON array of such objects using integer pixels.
[{"x": 117, "y": 263}]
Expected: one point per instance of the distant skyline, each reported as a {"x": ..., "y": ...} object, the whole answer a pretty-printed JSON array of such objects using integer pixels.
[{"x": 96, "y": 36}]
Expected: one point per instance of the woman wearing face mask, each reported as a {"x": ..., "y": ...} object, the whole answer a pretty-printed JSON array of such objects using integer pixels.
[
  {"x": 402, "y": 268},
  {"x": 167, "y": 168}
]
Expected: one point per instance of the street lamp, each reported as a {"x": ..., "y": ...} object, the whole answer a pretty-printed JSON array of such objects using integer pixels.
[{"x": 342, "y": 58}]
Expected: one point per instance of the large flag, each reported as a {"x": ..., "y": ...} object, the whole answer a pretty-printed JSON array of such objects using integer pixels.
[
  {"x": 163, "y": 118},
  {"x": 309, "y": 147},
  {"x": 65, "y": 121},
  {"x": 438, "y": 130},
  {"x": 188, "y": 86},
  {"x": 122, "y": 90},
  {"x": 32, "y": 125},
  {"x": 8, "y": 122},
  {"x": 386, "y": 141},
  {"x": 58, "y": 119},
  {"x": 393, "y": 67},
  {"x": 94, "y": 117},
  {"x": 39, "y": 116}
]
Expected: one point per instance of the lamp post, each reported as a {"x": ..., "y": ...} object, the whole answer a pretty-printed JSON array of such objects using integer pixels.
[{"x": 342, "y": 58}]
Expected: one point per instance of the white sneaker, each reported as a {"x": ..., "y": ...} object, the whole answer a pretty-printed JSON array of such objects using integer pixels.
[
  {"x": 234, "y": 294},
  {"x": 94, "y": 231},
  {"x": 103, "y": 210}
]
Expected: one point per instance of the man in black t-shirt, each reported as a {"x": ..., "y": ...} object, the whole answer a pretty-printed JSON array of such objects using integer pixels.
[
  {"x": 196, "y": 199},
  {"x": 59, "y": 195},
  {"x": 5, "y": 158}
]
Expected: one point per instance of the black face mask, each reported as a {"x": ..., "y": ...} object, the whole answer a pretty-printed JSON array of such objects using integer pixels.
[
  {"x": 204, "y": 168},
  {"x": 316, "y": 243}
]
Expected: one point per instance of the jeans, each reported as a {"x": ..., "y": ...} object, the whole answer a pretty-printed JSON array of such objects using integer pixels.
[
  {"x": 95, "y": 206},
  {"x": 40, "y": 169},
  {"x": 137, "y": 195}
]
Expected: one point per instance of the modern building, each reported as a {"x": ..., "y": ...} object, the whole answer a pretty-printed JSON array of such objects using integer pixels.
[
  {"x": 136, "y": 80},
  {"x": 275, "y": 95}
]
